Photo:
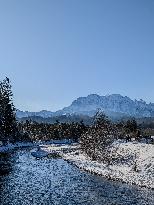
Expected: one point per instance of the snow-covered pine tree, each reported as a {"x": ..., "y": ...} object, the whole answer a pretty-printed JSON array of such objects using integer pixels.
[{"x": 7, "y": 111}]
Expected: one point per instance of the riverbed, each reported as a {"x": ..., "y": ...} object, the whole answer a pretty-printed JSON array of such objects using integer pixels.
[{"x": 55, "y": 181}]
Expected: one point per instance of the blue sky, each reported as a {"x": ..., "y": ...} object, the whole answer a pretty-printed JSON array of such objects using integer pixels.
[{"x": 54, "y": 51}]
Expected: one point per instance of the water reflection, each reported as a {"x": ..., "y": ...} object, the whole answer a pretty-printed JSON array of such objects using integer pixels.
[{"x": 54, "y": 181}]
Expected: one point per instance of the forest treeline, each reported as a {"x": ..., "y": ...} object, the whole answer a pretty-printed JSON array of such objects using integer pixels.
[
  {"x": 44, "y": 131},
  {"x": 62, "y": 119},
  {"x": 34, "y": 131},
  {"x": 144, "y": 122}
]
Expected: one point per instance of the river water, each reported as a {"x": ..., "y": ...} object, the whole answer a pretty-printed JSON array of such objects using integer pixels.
[{"x": 55, "y": 181}]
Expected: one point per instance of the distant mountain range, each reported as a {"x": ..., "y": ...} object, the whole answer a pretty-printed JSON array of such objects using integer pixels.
[
  {"x": 115, "y": 106},
  {"x": 42, "y": 113}
]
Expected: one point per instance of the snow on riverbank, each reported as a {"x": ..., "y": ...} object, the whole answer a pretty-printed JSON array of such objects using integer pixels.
[
  {"x": 138, "y": 169},
  {"x": 10, "y": 146},
  {"x": 51, "y": 143},
  {"x": 61, "y": 148}
]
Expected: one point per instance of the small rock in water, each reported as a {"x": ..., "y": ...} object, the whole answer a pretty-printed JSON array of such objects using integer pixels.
[{"x": 54, "y": 155}]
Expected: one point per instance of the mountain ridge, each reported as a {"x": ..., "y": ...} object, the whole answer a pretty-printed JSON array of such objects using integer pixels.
[{"x": 114, "y": 104}]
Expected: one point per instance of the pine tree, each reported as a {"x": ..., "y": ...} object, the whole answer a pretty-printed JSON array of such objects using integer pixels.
[{"x": 7, "y": 111}]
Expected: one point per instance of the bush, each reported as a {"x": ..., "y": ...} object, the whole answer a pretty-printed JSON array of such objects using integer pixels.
[{"x": 99, "y": 137}]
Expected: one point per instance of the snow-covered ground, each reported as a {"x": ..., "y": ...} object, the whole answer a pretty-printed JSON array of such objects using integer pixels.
[
  {"x": 136, "y": 168},
  {"x": 60, "y": 148},
  {"x": 11, "y": 146}
]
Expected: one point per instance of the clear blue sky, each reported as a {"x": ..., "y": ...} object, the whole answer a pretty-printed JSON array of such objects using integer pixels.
[{"x": 57, "y": 50}]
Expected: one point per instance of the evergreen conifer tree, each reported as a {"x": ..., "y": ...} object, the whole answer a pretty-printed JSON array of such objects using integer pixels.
[{"x": 7, "y": 111}]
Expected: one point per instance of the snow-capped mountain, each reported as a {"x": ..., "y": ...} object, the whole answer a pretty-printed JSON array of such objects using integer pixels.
[{"x": 111, "y": 104}]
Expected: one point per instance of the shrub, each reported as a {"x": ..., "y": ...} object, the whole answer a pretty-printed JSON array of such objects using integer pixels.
[{"x": 99, "y": 137}]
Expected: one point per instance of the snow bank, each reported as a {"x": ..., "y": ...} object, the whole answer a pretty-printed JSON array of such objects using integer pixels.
[
  {"x": 43, "y": 148},
  {"x": 55, "y": 143},
  {"x": 10, "y": 146},
  {"x": 137, "y": 170},
  {"x": 61, "y": 148}
]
